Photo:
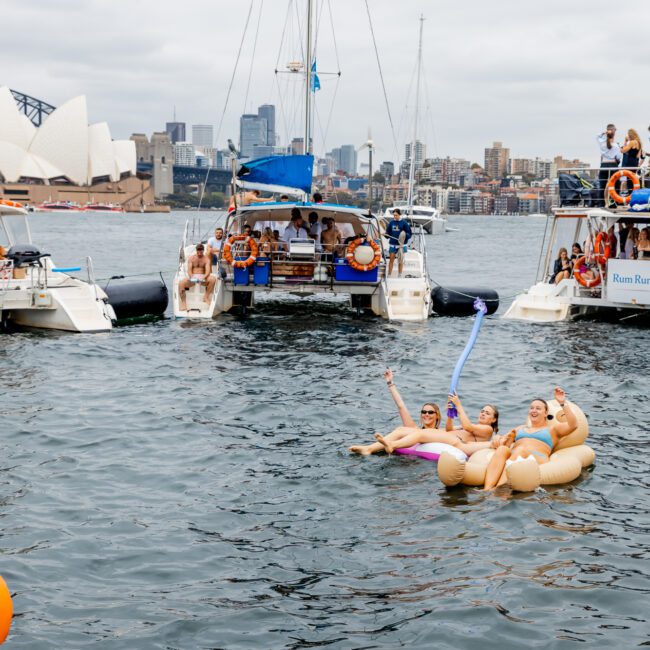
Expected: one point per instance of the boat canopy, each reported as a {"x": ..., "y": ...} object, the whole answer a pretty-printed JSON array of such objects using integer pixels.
[{"x": 278, "y": 173}]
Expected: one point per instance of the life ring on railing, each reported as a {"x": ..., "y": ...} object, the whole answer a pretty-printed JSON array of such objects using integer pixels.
[
  {"x": 12, "y": 204},
  {"x": 240, "y": 264},
  {"x": 606, "y": 248},
  {"x": 611, "y": 185},
  {"x": 357, "y": 266},
  {"x": 578, "y": 275},
  {"x": 6, "y": 610}
]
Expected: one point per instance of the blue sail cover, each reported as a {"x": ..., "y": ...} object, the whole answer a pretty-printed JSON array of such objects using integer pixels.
[{"x": 277, "y": 173}]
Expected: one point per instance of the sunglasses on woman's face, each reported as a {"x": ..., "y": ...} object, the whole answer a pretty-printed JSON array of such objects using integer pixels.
[{"x": 423, "y": 412}]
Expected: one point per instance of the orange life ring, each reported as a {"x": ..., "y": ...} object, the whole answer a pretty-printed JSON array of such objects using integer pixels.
[
  {"x": 602, "y": 258},
  {"x": 349, "y": 254},
  {"x": 6, "y": 610},
  {"x": 578, "y": 276},
  {"x": 240, "y": 264},
  {"x": 13, "y": 204},
  {"x": 611, "y": 185}
]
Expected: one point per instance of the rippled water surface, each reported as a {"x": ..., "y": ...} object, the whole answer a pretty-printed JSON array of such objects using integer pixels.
[{"x": 178, "y": 485}]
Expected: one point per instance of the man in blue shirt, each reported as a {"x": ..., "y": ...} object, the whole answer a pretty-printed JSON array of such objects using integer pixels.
[{"x": 394, "y": 229}]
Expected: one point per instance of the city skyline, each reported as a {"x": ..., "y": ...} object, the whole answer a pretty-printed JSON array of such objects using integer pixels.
[{"x": 537, "y": 80}]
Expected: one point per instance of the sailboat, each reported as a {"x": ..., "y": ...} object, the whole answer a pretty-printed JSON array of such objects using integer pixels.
[
  {"x": 352, "y": 263},
  {"x": 424, "y": 216}
]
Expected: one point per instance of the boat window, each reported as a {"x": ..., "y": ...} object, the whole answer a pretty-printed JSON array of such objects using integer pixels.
[
  {"x": 16, "y": 230},
  {"x": 565, "y": 235}
]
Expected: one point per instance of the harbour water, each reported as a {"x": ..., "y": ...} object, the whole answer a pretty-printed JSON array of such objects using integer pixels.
[{"x": 181, "y": 485}]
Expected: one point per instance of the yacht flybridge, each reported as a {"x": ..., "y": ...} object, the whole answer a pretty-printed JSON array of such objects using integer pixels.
[
  {"x": 304, "y": 267},
  {"x": 603, "y": 282},
  {"x": 35, "y": 293}
]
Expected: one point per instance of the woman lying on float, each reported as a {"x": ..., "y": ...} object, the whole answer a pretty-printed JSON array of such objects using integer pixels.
[
  {"x": 532, "y": 441},
  {"x": 470, "y": 438}
]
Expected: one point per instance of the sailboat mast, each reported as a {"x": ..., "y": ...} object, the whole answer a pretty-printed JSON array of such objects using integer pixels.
[
  {"x": 308, "y": 78},
  {"x": 415, "y": 121}
]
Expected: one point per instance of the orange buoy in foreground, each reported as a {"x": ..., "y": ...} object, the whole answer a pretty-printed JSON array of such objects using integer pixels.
[{"x": 6, "y": 610}]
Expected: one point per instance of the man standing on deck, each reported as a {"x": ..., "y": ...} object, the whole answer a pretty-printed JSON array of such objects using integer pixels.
[{"x": 396, "y": 226}]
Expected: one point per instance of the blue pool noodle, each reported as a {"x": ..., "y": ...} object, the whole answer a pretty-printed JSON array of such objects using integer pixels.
[{"x": 481, "y": 310}]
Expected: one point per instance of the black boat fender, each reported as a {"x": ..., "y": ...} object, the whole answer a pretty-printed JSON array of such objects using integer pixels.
[
  {"x": 141, "y": 299},
  {"x": 459, "y": 301}
]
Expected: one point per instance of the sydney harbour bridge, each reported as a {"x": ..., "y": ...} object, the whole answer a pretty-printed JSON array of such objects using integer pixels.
[{"x": 37, "y": 110}]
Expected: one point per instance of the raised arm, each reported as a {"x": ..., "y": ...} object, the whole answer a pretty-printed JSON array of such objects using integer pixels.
[
  {"x": 407, "y": 420},
  {"x": 466, "y": 423},
  {"x": 571, "y": 424}
]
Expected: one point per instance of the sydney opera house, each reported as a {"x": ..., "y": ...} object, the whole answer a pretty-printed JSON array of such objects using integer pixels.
[{"x": 65, "y": 159}]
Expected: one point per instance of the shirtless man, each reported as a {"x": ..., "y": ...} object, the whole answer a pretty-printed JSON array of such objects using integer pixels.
[
  {"x": 200, "y": 270},
  {"x": 330, "y": 238},
  {"x": 246, "y": 198}
]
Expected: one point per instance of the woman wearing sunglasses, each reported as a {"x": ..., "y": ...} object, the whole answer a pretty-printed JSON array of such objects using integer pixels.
[{"x": 469, "y": 438}]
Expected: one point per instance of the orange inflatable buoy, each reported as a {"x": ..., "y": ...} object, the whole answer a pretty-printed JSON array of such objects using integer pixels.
[
  {"x": 6, "y": 610},
  {"x": 611, "y": 185},
  {"x": 349, "y": 255},
  {"x": 602, "y": 248},
  {"x": 578, "y": 276},
  {"x": 227, "y": 251}
]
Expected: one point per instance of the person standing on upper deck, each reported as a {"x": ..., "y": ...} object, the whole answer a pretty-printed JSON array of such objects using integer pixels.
[
  {"x": 610, "y": 155},
  {"x": 396, "y": 226}
]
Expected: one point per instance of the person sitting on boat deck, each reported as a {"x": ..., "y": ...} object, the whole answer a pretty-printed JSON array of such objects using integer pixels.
[
  {"x": 631, "y": 242},
  {"x": 330, "y": 238},
  {"x": 562, "y": 267},
  {"x": 254, "y": 196},
  {"x": 610, "y": 156},
  {"x": 631, "y": 150},
  {"x": 643, "y": 245},
  {"x": 284, "y": 199},
  {"x": 247, "y": 230},
  {"x": 315, "y": 229},
  {"x": 199, "y": 270},
  {"x": 624, "y": 228},
  {"x": 268, "y": 244},
  {"x": 470, "y": 438},
  {"x": 215, "y": 243},
  {"x": 317, "y": 197},
  {"x": 214, "y": 247},
  {"x": 295, "y": 230},
  {"x": 576, "y": 252},
  {"x": 537, "y": 438},
  {"x": 395, "y": 227}
]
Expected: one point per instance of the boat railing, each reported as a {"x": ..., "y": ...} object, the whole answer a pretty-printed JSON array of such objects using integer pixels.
[
  {"x": 90, "y": 271},
  {"x": 586, "y": 187}
]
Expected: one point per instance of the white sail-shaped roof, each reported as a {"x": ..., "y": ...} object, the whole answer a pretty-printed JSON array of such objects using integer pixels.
[
  {"x": 125, "y": 156},
  {"x": 14, "y": 126},
  {"x": 101, "y": 159},
  {"x": 64, "y": 146},
  {"x": 63, "y": 140}
]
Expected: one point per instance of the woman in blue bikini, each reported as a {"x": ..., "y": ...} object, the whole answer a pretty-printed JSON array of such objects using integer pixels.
[{"x": 538, "y": 438}]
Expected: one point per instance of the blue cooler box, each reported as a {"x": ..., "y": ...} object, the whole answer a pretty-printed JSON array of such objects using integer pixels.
[
  {"x": 241, "y": 276},
  {"x": 343, "y": 272},
  {"x": 261, "y": 270}
]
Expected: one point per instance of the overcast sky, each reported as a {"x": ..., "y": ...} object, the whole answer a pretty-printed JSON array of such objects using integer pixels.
[{"x": 542, "y": 77}]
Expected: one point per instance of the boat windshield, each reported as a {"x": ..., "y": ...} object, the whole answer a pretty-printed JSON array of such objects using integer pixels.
[{"x": 15, "y": 229}]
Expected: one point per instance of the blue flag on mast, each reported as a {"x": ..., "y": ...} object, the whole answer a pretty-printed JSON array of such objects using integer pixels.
[{"x": 315, "y": 81}]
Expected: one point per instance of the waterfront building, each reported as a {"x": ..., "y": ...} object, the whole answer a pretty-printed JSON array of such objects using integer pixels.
[
  {"x": 202, "y": 135},
  {"x": 496, "y": 160},
  {"x": 176, "y": 131},
  {"x": 528, "y": 203},
  {"x": 453, "y": 200},
  {"x": 348, "y": 159},
  {"x": 160, "y": 153},
  {"x": 184, "y": 154}
]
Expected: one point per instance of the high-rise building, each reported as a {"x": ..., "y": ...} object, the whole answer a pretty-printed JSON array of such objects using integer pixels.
[
  {"x": 420, "y": 153},
  {"x": 184, "y": 154},
  {"x": 267, "y": 111},
  {"x": 203, "y": 135},
  {"x": 175, "y": 131},
  {"x": 496, "y": 160},
  {"x": 387, "y": 170},
  {"x": 349, "y": 159},
  {"x": 252, "y": 132}
]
